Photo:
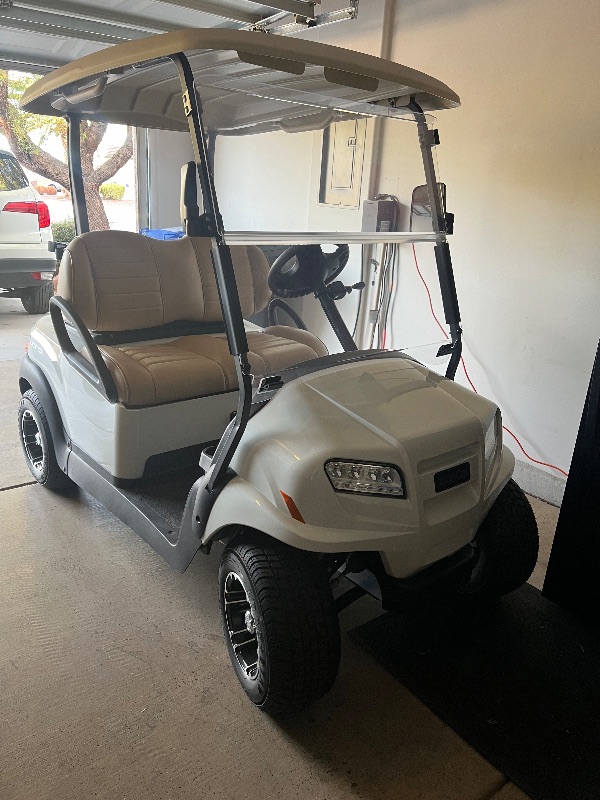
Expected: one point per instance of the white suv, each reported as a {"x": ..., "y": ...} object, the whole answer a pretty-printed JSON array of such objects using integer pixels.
[{"x": 26, "y": 265}]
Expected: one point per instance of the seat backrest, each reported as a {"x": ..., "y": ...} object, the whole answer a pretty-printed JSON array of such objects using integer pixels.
[{"x": 122, "y": 281}]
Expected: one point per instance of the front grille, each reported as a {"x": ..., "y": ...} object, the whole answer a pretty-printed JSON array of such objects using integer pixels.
[{"x": 453, "y": 476}]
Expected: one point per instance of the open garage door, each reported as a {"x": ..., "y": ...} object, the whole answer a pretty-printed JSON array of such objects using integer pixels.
[{"x": 39, "y": 35}]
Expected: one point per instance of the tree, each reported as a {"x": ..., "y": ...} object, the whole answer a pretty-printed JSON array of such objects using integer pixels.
[{"x": 17, "y": 126}]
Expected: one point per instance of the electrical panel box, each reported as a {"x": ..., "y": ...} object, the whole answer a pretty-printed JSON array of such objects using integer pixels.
[
  {"x": 378, "y": 215},
  {"x": 342, "y": 163}
]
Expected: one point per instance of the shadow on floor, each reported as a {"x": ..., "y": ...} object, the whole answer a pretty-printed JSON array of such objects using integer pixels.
[{"x": 518, "y": 680}]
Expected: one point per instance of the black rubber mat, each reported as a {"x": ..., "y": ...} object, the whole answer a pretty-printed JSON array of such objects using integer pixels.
[
  {"x": 167, "y": 498},
  {"x": 519, "y": 680}
]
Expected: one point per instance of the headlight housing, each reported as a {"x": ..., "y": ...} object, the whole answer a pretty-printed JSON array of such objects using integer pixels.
[
  {"x": 490, "y": 441},
  {"x": 358, "y": 478}
]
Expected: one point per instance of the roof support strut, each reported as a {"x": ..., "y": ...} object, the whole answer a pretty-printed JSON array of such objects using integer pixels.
[
  {"x": 427, "y": 141},
  {"x": 82, "y": 224},
  {"x": 225, "y": 275}
]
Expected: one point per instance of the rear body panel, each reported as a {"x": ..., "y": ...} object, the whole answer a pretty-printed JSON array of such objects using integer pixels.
[{"x": 118, "y": 439}]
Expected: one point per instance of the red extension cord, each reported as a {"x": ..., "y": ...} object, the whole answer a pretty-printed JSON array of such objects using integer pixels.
[{"x": 462, "y": 361}]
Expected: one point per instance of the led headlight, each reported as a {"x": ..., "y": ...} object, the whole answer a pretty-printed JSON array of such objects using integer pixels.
[
  {"x": 490, "y": 443},
  {"x": 378, "y": 479}
]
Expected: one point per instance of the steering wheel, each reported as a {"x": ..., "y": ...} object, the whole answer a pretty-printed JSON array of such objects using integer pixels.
[{"x": 302, "y": 269}]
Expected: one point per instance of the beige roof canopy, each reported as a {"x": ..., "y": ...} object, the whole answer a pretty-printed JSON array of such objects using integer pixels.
[{"x": 248, "y": 81}]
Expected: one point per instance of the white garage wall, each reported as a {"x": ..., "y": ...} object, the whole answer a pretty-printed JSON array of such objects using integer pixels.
[
  {"x": 166, "y": 153},
  {"x": 520, "y": 160},
  {"x": 263, "y": 181}
]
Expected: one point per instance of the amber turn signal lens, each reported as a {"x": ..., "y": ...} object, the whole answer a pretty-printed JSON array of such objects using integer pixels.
[{"x": 292, "y": 507}]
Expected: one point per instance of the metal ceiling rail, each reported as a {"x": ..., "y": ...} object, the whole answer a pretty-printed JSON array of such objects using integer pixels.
[
  {"x": 305, "y": 8},
  {"x": 216, "y": 9},
  {"x": 348, "y": 13},
  {"x": 96, "y": 14},
  {"x": 19, "y": 62},
  {"x": 15, "y": 54}
]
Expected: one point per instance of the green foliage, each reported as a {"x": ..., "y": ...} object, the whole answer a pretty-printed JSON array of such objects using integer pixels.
[
  {"x": 64, "y": 230},
  {"x": 25, "y": 123},
  {"x": 112, "y": 191},
  {"x": 27, "y": 132}
]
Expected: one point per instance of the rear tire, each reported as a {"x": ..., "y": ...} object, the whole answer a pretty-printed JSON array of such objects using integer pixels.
[
  {"x": 508, "y": 544},
  {"x": 280, "y": 623},
  {"x": 36, "y": 299},
  {"x": 38, "y": 447}
]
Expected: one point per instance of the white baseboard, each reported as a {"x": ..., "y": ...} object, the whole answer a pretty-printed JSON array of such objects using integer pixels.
[{"x": 540, "y": 483}]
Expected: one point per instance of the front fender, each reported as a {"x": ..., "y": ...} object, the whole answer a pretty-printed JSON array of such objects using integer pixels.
[
  {"x": 240, "y": 503},
  {"x": 404, "y": 551}
]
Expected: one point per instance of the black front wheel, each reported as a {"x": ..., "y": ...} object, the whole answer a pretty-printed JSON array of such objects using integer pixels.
[
  {"x": 280, "y": 624},
  {"x": 36, "y": 440},
  {"x": 507, "y": 543}
]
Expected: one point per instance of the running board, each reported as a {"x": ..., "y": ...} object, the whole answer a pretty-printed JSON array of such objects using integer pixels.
[{"x": 178, "y": 548}]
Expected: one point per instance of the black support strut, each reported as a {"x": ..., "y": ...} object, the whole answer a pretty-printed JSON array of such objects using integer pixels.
[
  {"x": 427, "y": 141},
  {"x": 82, "y": 223},
  {"x": 224, "y": 273}
]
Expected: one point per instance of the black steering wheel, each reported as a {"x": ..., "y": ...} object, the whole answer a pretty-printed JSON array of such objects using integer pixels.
[{"x": 304, "y": 268}]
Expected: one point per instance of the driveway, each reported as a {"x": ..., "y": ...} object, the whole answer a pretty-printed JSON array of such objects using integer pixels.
[{"x": 121, "y": 214}]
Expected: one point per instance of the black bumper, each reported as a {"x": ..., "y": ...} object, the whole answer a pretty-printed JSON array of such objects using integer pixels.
[{"x": 16, "y": 273}]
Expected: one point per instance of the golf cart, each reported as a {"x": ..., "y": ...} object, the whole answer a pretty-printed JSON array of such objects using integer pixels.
[{"x": 148, "y": 387}]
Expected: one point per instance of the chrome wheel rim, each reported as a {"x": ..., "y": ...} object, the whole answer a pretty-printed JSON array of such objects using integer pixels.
[
  {"x": 33, "y": 443},
  {"x": 241, "y": 625}
]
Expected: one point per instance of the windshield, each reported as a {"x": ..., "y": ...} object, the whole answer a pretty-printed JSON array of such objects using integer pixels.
[{"x": 325, "y": 180}]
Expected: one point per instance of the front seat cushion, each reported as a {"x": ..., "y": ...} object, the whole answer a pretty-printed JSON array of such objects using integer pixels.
[{"x": 200, "y": 365}]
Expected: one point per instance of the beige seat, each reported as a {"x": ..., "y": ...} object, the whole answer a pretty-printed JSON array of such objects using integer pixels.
[{"x": 124, "y": 282}]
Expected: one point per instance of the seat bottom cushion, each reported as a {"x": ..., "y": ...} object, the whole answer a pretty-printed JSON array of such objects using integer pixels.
[{"x": 196, "y": 366}]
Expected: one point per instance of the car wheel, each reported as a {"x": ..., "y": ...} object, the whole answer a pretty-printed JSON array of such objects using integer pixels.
[
  {"x": 36, "y": 299},
  {"x": 280, "y": 624},
  {"x": 507, "y": 543},
  {"x": 37, "y": 444}
]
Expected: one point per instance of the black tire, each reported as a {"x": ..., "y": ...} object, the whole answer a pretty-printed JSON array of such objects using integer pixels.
[
  {"x": 507, "y": 542},
  {"x": 279, "y": 621},
  {"x": 36, "y": 299},
  {"x": 36, "y": 440}
]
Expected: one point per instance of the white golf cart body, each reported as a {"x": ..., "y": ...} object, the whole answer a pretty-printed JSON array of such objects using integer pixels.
[{"x": 369, "y": 408}]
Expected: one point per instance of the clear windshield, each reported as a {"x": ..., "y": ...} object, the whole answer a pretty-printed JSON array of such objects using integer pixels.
[{"x": 322, "y": 180}]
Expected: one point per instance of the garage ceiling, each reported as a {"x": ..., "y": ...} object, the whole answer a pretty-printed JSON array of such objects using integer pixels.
[{"x": 39, "y": 35}]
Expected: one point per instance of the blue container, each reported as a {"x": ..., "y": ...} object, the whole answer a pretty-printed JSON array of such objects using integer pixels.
[{"x": 162, "y": 233}]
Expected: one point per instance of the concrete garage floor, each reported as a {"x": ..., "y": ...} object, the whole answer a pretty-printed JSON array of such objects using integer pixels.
[{"x": 116, "y": 682}]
